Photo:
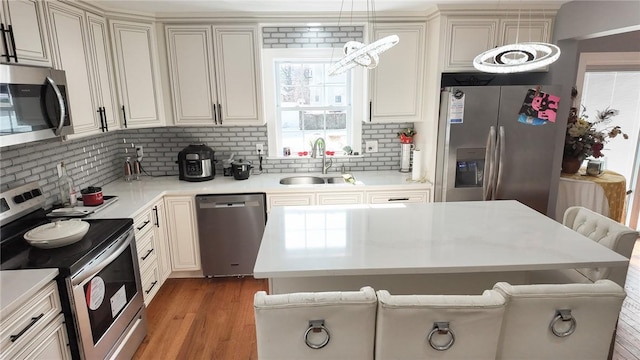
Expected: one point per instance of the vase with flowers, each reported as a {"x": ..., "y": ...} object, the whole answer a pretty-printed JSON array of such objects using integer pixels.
[
  {"x": 406, "y": 135},
  {"x": 586, "y": 138}
]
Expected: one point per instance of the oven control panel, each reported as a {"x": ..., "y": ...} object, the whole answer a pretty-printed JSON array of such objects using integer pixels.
[{"x": 19, "y": 201}]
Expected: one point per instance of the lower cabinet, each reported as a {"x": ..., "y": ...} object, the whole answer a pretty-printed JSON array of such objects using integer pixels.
[
  {"x": 36, "y": 329},
  {"x": 153, "y": 249},
  {"x": 348, "y": 197},
  {"x": 182, "y": 231}
]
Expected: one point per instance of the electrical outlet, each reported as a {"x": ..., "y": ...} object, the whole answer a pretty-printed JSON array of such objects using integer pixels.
[
  {"x": 139, "y": 152},
  {"x": 260, "y": 149},
  {"x": 371, "y": 146}
]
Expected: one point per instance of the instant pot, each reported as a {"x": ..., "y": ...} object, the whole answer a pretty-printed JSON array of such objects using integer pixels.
[{"x": 196, "y": 163}]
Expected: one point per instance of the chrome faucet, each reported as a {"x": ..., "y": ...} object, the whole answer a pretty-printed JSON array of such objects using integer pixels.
[{"x": 321, "y": 145}]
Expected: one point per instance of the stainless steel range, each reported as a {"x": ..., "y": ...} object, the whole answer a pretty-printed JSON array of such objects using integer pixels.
[{"x": 99, "y": 281}]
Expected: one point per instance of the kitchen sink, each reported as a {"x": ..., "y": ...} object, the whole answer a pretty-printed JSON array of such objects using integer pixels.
[
  {"x": 302, "y": 180},
  {"x": 309, "y": 180}
]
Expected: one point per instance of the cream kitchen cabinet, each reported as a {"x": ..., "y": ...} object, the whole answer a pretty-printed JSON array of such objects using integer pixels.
[
  {"x": 30, "y": 43},
  {"x": 80, "y": 44},
  {"x": 35, "y": 329},
  {"x": 215, "y": 74},
  {"x": 340, "y": 198},
  {"x": 397, "y": 196},
  {"x": 468, "y": 36},
  {"x": 182, "y": 232},
  {"x": 315, "y": 198},
  {"x": 397, "y": 83},
  {"x": 290, "y": 199},
  {"x": 137, "y": 74},
  {"x": 153, "y": 249}
]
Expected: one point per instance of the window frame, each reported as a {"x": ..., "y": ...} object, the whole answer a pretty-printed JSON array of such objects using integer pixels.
[{"x": 358, "y": 93}]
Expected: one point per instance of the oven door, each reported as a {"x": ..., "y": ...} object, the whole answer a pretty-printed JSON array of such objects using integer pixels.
[
  {"x": 33, "y": 104},
  {"x": 108, "y": 300}
]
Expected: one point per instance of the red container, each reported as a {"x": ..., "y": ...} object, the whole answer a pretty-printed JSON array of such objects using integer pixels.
[{"x": 92, "y": 196}]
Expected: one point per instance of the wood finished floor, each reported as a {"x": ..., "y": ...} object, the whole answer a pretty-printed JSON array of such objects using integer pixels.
[{"x": 213, "y": 319}]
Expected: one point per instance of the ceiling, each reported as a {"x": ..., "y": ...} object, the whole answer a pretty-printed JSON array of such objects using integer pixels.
[{"x": 295, "y": 6}]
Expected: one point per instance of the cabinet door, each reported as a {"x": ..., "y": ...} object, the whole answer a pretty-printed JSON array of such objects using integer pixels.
[
  {"x": 162, "y": 243},
  {"x": 69, "y": 42},
  {"x": 467, "y": 37},
  {"x": 290, "y": 199},
  {"x": 340, "y": 198},
  {"x": 100, "y": 51},
  {"x": 51, "y": 343},
  {"x": 525, "y": 30},
  {"x": 182, "y": 232},
  {"x": 238, "y": 74},
  {"x": 138, "y": 79},
  {"x": 29, "y": 30},
  {"x": 397, "y": 196},
  {"x": 190, "y": 51},
  {"x": 397, "y": 82}
]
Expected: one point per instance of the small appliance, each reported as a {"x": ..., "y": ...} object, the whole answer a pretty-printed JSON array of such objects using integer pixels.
[
  {"x": 241, "y": 169},
  {"x": 34, "y": 104},
  {"x": 196, "y": 163}
]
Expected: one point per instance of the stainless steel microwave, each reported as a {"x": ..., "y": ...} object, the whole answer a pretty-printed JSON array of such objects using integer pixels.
[{"x": 33, "y": 104}]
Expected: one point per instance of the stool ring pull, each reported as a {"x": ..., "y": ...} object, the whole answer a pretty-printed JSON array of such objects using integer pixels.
[{"x": 316, "y": 326}]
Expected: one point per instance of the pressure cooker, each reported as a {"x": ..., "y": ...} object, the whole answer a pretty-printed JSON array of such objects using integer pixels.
[
  {"x": 196, "y": 163},
  {"x": 241, "y": 169}
]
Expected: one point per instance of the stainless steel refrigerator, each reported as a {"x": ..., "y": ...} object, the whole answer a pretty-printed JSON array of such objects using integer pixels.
[{"x": 485, "y": 153}]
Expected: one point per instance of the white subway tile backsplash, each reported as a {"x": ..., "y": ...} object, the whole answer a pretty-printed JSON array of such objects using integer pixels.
[{"x": 296, "y": 37}]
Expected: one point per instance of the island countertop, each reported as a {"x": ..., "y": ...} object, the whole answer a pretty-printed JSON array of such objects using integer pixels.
[{"x": 435, "y": 238}]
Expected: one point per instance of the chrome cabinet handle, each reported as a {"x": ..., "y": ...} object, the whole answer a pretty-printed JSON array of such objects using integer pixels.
[
  {"x": 143, "y": 225},
  {"x": 215, "y": 114},
  {"x": 34, "y": 320},
  {"x": 63, "y": 109},
  {"x": 398, "y": 199},
  {"x": 489, "y": 165},
  {"x": 500, "y": 155},
  {"x": 220, "y": 113},
  {"x": 104, "y": 113}
]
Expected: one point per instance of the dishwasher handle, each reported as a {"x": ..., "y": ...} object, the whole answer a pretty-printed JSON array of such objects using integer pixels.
[
  {"x": 229, "y": 204},
  {"x": 203, "y": 204}
]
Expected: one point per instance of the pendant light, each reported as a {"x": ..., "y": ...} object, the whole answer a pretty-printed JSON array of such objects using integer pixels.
[
  {"x": 357, "y": 53},
  {"x": 517, "y": 57}
]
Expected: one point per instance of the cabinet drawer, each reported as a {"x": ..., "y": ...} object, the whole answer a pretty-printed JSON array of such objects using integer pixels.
[
  {"x": 340, "y": 198},
  {"x": 143, "y": 223},
  {"x": 397, "y": 197},
  {"x": 150, "y": 283},
  {"x": 146, "y": 251},
  {"x": 29, "y": 319},
  {"x": 51, "y": 343}
]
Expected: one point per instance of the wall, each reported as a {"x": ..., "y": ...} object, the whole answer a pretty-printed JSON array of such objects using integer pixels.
[
  {"x": 161, "y": 147},
  {"x": 97, "y": 160},
  {"x": 575, "y": 21},
  {"x": 314, "y": 37},
  {"x": 92, "y": 160}
]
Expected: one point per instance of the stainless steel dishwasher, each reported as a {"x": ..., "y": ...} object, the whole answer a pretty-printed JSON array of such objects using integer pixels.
[{"x": 230, "y": 230}]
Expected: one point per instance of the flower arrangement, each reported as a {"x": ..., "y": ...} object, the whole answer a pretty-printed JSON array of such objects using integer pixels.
[
  {"x": 406, "y": 135},
  {"x": 584, "y": 138}
]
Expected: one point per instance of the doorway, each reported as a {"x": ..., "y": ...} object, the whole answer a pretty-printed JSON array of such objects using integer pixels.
[{"x": 610, "y": 80}]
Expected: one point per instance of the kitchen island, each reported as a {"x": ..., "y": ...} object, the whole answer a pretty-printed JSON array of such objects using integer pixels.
[{"x": 439, "y": 248}]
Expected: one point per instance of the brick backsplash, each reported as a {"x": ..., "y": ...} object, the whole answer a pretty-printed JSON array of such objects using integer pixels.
[
  {"x": 161, "y": 147},
  {"x": 310, "y": 37},
  {"x": 90, "y": 161},
  {"x": 97, "y": 160}
]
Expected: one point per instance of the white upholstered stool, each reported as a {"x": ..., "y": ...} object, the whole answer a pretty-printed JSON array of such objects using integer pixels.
[
  {"x": 438, "y": 326},
  {"x": 320, "y": 325},
  {"x": 604, "y": 231},
  {"x": 559, "y": 321}
]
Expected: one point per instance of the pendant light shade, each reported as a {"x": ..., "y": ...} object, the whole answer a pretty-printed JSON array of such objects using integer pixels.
[{"x": 519, "y": 57}]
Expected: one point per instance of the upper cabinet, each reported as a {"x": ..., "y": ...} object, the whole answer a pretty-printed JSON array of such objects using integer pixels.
[
  {"x": 397, "y": 83},
  {"x": 215, "y": 74},
  {"x": 137, "y": 74},
  {"x": 24, "y": 33},
  {"x": 468, "y": 36},
  {"x": 80, "y": 46}
]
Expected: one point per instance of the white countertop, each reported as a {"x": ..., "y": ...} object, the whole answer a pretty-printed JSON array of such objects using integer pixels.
[
  {"x": 453, "y": 237},
  {"x": 17, "y": 286},
  {"x": 134, "y": 195}
]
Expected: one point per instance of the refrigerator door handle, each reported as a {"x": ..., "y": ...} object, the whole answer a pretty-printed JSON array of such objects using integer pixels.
[
  {"x": 500, "y": 154},
  {"x": 489, "y": 164}
]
